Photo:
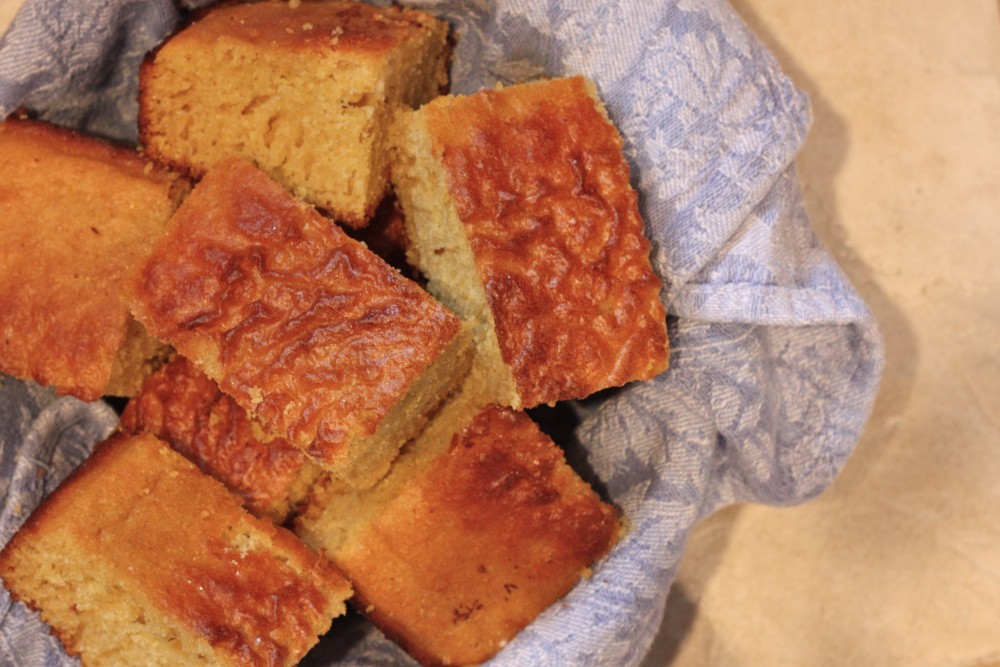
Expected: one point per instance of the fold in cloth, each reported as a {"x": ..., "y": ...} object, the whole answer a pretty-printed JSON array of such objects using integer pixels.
[{"x": 775, "y": 359}]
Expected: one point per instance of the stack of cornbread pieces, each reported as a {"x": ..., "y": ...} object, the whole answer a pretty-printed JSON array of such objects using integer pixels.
[{"x": 307, "y": 425}]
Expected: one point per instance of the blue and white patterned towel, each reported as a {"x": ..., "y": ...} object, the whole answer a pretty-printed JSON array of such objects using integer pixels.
[{"x": 776, "y": 360}]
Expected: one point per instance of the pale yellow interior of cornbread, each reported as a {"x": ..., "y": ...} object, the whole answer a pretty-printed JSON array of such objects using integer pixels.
[
  {"x": 308, "y": 475},
  {"x": 138, "y": 357},
  {"x": 315, "y": 122},
  {"x": 441, "y": 250},
  {"x": 94, "y": 615},
  {"x": 369, "y": 459}
]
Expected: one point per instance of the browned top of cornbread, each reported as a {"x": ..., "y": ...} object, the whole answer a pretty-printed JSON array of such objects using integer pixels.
[
  {"x": 302, "y": 325},
  {"x": 474, "y": 548},
  {"x": 75, "y": 212},
  {"x": 537, "y": 175},
  {"x": 351, "y": 28},
  {"x": 177, "y": 538},
  {"x": 184, "y": 407}
]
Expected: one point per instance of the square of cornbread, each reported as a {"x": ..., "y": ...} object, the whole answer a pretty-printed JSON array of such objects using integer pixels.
[
  {"x": 185, "y": 408},
  {"x": 311, "y": 333},
  {"x": 305, "y": 90},
  {"x": 75, "y": 213},
  {"x": 141, "y": 559},
  {"x": 520, "y": 214},
  {"x": 473, "y": 534}
]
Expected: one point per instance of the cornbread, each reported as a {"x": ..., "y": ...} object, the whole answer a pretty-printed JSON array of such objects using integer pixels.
[
  {"x": 182, "y": 406},
  {"x": 137, "y": 358},
  {"x": 305, "y": 90},
  {"x": 141, "y": 559},
  {"x": 520, "y": 214},
  {"x": 75, "y": 213},
  {"x": 312, "y": 334},
  {"x": 469, "y": 538}
]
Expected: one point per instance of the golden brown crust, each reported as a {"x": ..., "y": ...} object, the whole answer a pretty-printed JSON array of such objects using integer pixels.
[
  {"x": 75, "y": 213},
  {"x": 303, "y": 326},
  {"x": 473, "y": 549},
  {"x": 538, "y": 178},
  {"x": 182, "y": 406},
  {"x": 177, "y": 539},
  {"x": 353, "y": 28}
]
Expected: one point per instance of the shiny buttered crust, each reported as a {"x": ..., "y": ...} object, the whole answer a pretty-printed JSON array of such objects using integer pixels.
[
  {"x": 182, "y": 406},
  {"x": 537, "y": 177},
  {"x": 472, "y": 549},
  {"x": 137, "y": 524},
  {"x": 75, "y": 213},
  {"x": 303, "y": 326}
]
